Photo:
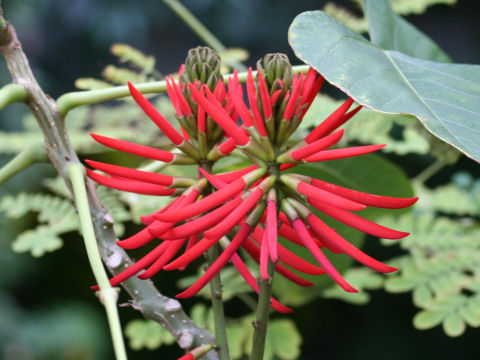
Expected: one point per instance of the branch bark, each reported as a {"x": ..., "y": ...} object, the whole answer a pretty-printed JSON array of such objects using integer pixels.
[{"x": 145, "y": 297}]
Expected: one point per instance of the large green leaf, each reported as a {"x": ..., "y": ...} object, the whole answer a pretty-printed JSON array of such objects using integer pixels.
[
  {"x": 444, "y": 97},
  {"x": 391, "y": 32}
]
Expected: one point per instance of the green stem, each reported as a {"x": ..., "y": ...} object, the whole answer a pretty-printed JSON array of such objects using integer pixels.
[
  {"x": 190, "y": 19},
  {"x": 69, "y": 101},
  {"x": 216, "y": 296},
  {"x": 31, "y": 155},
  {"x": 12, "y": 93},
  {"x": 200, "y": 29},
  {"x": 263, "y": 308},
  {"x": 429, "y": 171},
  {"x": 108, "y": 295},
  {"x": 217, "y": 307}
]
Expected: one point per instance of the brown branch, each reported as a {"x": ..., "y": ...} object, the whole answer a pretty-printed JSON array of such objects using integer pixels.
[{"x": 145, "y": 297}]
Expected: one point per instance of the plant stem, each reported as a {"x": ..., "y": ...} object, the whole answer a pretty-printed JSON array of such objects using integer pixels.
[
  {"x": 263, "y": 308},
  {"x": 429, "y": 171},
  {"x": 12, "y": 93},
  {"x": 194, "y": 24},
  {"x": 200, "y": 29},
  {"x": 107, "y": 294},
  {"x": 216, "y": 294},
  {"x": 71, "y": 100},
  {"x": 217, "y": 307},
  {"x": 26, "y": 158}
]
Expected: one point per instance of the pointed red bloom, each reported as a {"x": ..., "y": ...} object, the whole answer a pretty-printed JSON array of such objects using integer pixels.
[
  {"x": 335, "y": 120},
  {"x": 271, "y": 229},
  {"x": 137, "y": 187},
  {"x": 343, "y": 153},
  {"x": 218, "y": 265},
  {"x": 253, "y": 205},
  {"x": 221, "y": 117},
  {"x": 303, "y": 233},
  {"x": 156, "y": 117},
  {"x": 252, "y": 99},
  {"x": 328, "y": 234},
  {"x": 357, "y": 222},
  {"x": 135, "y": 149}
]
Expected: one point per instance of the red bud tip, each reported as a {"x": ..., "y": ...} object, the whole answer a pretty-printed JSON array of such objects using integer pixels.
[
  {"x": 218, "y": 265},
  {"x": 252, "y": 100},
  {"x": 137, "y": 187},
  {"x": 303, "y": 233},
  {"x": 219, "y": 115},
  {"x": 134, "y": 174},
  {"x": 330, "y": 236},
  {"x": 344, "y": 153},
  {"x": 156, "y": 117},
  {"x": 335, "y": 120},
  {"x": 134, "y": 149},
  {"x": 356, "y": 221}
]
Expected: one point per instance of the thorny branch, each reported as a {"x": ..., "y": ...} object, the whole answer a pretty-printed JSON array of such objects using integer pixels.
[{"x": 145, "y": 297}]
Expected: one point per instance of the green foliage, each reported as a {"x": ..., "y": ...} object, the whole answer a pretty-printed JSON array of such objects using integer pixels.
[
  {"x": 442, "y": 96},
  {"x": 147, "y": 334},
  {"x": 136, "y": 67},
  {"x": 55, "y": 216},
  {"x": 441, "y": 269},
  {"x": 283, "y": 339}
]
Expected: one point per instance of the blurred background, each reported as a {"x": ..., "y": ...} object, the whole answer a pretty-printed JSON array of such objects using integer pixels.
[{"x": 46, "y": 308}]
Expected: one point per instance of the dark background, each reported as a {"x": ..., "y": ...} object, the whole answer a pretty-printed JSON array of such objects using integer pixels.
[{"x": 65, "y": 40}]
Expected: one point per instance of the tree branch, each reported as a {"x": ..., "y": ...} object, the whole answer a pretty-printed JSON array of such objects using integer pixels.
[{"x": 145, "y": 297}]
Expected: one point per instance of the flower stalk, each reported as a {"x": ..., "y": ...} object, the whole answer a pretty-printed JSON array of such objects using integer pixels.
[
  {"x": 108, "y": 295},
  {"x": 260, "y": 323}
]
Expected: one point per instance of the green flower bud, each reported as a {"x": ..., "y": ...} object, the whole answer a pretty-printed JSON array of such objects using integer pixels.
[
  {"x": 202, "y": 64},
  {"x": 276, "y": 66}
]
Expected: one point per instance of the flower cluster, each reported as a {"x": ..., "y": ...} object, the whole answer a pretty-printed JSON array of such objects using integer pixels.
[{"x": 254, "y": 207}]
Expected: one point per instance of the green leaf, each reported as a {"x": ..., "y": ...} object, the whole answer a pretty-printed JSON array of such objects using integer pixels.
[
  {"x": 37, "y": 242},
  {"x": 391, "y": 32},
  {"x": 454, "y": 325},
  {"x": 444, "y": 97},
  {"x": 147, "y": 334},
  {"x": 427, "y": 319},
  {"x": 283, "y": 340}
]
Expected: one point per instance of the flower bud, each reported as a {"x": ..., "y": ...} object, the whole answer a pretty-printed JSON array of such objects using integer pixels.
[
  {"x": 202, "y": 64},
  {"x": 276, "y": 67}
]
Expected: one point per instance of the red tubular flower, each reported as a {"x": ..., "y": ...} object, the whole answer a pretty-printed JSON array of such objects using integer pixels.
[{"x": 256, "y": 208}]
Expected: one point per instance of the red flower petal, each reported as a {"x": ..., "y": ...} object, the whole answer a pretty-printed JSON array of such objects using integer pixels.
[
  {"x": 156, "y": 117},
  {"x": 303, "y": 233},
  {"x": 357, "y": 222},
  {"x": 134, "y": 149},
  {"x": 218, "y": 265}
]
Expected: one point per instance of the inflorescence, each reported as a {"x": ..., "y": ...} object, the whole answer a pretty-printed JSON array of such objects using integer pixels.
[{"x": 251, "y": 208}]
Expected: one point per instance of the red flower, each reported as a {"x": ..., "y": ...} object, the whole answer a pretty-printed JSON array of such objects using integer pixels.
[{"x": 250, "y": 208}]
